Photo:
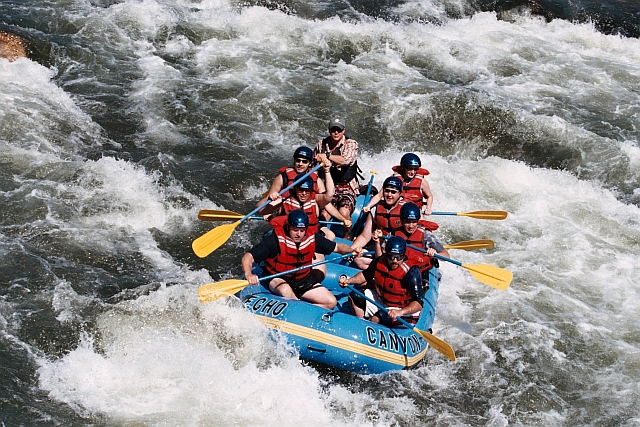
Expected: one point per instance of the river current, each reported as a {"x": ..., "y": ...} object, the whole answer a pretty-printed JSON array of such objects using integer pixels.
[{"x": 130, "y": 116}]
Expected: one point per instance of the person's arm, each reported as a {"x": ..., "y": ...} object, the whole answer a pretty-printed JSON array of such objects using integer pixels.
[
  {"x": 326, "y": 246},
  {"x": 344, "y": 249},
  {"x": 364, "y": 237},
  {"x": 273, "y": 191},
  {"x": 376, "y": 237},
  {"x": 374, "y": 200},
  {"x": 335, "y": 213},
  {"x": 358, "y": 279},
  {"x": 338, "y": 159},
  {"x": 349, "y": 153},
  {"x": 433, "y": 245},
  {"x": 426, "y": 192},
  {"x": 323, "y": 199},
  {"x": 271, "y": 207},
  {"x": 321, "y": 187},
  {"x": 444, "y": 253},
  {"x": 247, "y": 266},
  {"x": 267, "y": 248},
  {"x": 412, "y": 307}
]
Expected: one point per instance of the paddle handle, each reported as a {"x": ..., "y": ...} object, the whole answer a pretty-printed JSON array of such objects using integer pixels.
[
  {"x": 258, "y": 217},
  {"x": 490, "y": 215},
  {"x": 358, "y": 225},
  {"x": 380, "y": 306},
  {"x": 368, "y": 194},
  {"x": 273, "y": 276},
  {"x": 443, "y": 258},
  {"x": 444, "y": 213},
  {"x": 284, "y": 190}
]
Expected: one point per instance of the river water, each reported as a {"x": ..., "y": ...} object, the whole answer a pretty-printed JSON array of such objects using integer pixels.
[{"x": 131, "y": 116}]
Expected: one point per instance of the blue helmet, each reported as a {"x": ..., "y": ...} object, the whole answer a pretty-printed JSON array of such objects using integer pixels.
[
  {"x": 303, "y": 153},
  {"x": 410, "y": 160},
  {"x": 298, "y": 219},
  {"x": 410, "y": 212},
  {"x": 395, "y": 246},
  {"x": 393, "y": 182},
  {"x": 305, "y": 184}
]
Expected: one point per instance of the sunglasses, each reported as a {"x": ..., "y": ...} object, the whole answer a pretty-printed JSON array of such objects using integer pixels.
[
  {"x": 395, "y": 257},
  {"x": 411, "y": 168},
  {"x": 302, "y": 190},
  {"x": 336, "y": 130},
  {"x": 303, "y": 161},
  {"x": 390, "y": 191}
]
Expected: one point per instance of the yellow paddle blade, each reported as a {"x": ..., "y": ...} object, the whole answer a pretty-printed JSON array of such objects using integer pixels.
[
  {"x": 213, "y": 291},
  {"x": 212, "y": 240},
  {"x": 491, "y": 275},
  {"x": 495, "y": 215},
  {"x": 218, "y": 215},
  {"x": 437, "y": 344},
  {"x": 469, "y": 245}
]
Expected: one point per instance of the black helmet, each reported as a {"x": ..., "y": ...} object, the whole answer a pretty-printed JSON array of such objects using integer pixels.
[
  {"x": 305, "y": 184},
  {"x": 410, "y": 160},
  {"x": 303, "y": 153},
  {"x": 395, "y": 246},
  {"x": 298, "y": 219},
  {"x": 393, "y": 182},
  {"x": 410, "y": 212}
]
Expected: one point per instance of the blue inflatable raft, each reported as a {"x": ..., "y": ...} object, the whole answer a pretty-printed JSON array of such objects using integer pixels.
[{"x": 338, "y": 338}]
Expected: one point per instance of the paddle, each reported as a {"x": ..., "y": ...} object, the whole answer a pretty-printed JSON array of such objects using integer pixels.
[
  {"x": 434, "y": 341},
  {"x": 357, "y": 227},
  {"x": 218, "y": 215},
  {"x": 213, "y": 291},
  {"x": 469, "y": 245},
  {"x": 494, "y": 215},
  {"x": 215, "y": 238},
  {"x": 491, "y": 275}
]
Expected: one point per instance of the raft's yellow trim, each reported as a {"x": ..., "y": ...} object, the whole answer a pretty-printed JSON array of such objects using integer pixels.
[{"x": 342, "y": 343}]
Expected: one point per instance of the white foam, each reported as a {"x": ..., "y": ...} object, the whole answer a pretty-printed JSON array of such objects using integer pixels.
[
  {"x": 166, "y": 358},
  {"x": 35, "y": 113}
]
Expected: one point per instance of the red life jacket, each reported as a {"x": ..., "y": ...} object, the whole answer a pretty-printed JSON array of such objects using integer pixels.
[
  {"x": 412, "y": 190},
  {"x": 310, "y": 207},
  {"x": 429, "y": 225},
  {"x": 387, "y": 219},
  {"x": 388, "y": 284},
  {"x": 291, "y": 255},
  {"x": 419, "y": 258},
  {"x": 289, "y": 175}
]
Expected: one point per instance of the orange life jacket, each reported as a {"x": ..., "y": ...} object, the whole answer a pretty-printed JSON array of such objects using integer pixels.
[
  {"x": 291, "y": 255},
  {"x": 289, "y": 175},
  {"x": 388, "y": 284},
  {"x": 419, "y": 258},
  {"x": 412, "y": 190},
  {"x": 387, "y": 219},
  {"x": 310, "y": 207}
]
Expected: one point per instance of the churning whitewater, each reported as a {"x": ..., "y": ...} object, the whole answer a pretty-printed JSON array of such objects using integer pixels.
[{"x": 128, "y": 117}]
